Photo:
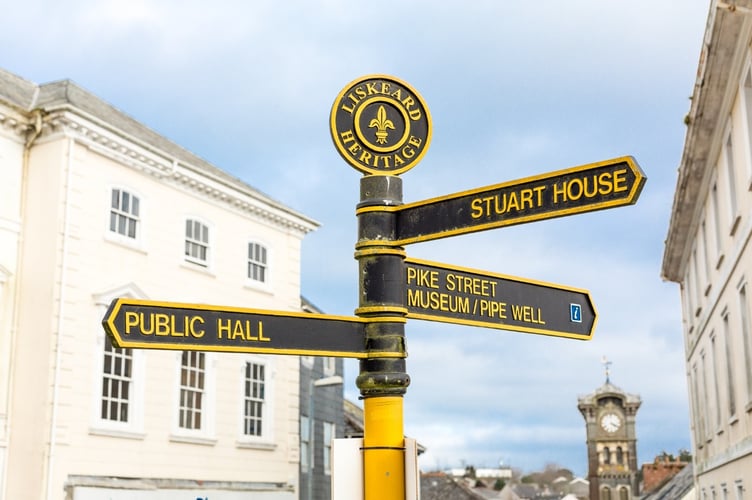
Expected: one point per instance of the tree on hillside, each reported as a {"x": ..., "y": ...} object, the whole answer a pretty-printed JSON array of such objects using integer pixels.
[{"x": 546, "y": 477}]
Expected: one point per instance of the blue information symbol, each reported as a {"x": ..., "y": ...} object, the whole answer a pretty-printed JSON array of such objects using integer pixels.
[{"x": 575, "y": 313}]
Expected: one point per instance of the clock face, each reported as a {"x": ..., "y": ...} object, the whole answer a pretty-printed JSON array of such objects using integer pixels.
[{"x": 610, "y": 422}]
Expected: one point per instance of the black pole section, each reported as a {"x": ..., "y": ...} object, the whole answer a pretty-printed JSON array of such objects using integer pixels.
[{"x": 382, "y": 288}]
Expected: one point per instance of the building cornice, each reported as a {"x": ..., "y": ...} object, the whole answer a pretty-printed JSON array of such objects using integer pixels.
[
  {"x": 127, "y": 150},
  {"x": 726, "y": 35}
]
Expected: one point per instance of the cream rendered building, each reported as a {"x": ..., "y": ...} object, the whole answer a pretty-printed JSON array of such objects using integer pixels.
[
  {"x": 93, "y": 206},
  {"x": 708, "y": 253}
]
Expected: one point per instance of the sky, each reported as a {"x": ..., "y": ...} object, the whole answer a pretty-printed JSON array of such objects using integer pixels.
[{"x": 514, "y": 89}]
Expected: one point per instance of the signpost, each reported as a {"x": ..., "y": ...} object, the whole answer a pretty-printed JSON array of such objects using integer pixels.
[
  {"x": 439, "y": 292},
  {"x": 382, "y": 127},
  {"x": 147, "y": 324}
]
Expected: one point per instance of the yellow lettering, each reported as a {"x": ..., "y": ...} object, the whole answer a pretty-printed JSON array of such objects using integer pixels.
[
  {"x": 194, "y": 332},
  {"x": 560, "y": 191},
  {"x": 365, "y": 157},
  {"x": 477, "y": 210},
  {"x": 493, "y": 309},
  {"x": 538, "y": 190},
  {"x": 261, "y": 333},
  {"x": 513, "y": 203},
  {"x": 428, "y": 279},
  {"x": 604, "y": 183},
  {"x": 131, "y": 319},
  {"x": 620, "y": 181},
  {"x": 411, "y": 274},
  {"x": 570, "y": 193},
  {"x": 161, "y": 324},
  {"x": 347, "y": 136},
  {"x": 174, "y": 331},
  {"x": 526, "y": 198},
  {"x": 238, "y": 331},
  {"x": 527, "y": 314},
  {"x": 223, "y": 328}
]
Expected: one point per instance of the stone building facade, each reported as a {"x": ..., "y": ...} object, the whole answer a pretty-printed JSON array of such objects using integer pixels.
[{"x": 93, "y": 206}]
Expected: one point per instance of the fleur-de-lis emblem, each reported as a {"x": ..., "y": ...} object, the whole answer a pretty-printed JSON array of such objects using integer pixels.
[{"x": 382, "y": 123}]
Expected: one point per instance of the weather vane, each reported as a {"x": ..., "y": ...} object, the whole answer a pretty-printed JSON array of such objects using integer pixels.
[{"x": 607, "y": 365}]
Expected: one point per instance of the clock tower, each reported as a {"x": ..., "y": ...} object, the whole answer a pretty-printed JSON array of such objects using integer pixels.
[{"x": 610, "y": 415}]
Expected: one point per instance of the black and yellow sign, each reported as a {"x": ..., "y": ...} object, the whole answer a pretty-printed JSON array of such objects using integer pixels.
[
  {"x": 134, "y": 323},
  {"x": 596, "y": 186},
  {"x": 449, "y": 294},
  {"x": 380, "y": 125}
]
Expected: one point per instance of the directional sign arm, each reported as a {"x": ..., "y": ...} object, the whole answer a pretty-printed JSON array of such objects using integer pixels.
[
  {"x": 586, "y": 188},
  {"x": 451, "y": 294},
  {"x": 134, "y": 323}
]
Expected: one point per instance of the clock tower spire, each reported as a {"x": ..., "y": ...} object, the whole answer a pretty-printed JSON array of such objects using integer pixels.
[
  {"x": 607, "y": 366},
  {"x": 610, "y": 415}
]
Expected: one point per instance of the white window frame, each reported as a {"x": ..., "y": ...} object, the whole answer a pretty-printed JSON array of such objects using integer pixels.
[
  {"x": 715, "y": 367},
  {"x": 134, "y": 426},
  {"x": 253, "y": 283},
  {"x": 707, "y": 429},
  {"x": 305, "y": 443},
  {"x": 697, "y": 282},
  {"x": 717, "y": 224},
  {"x": 330, "y": 432},
  {"x": 203, "y": 263},
  {"x": 745, "y": 324},
  {"x": 745, "y": 87},
  {"x": 699, "y": 418},
  {"x": 129, "y": 214},
  {"x": 266, "y": 439},
  {"x": 732, "y": 404},
  {"x": 730, "y": 163},
  {"x": 116, "y": 237},
  {"x": 706, "y": 258},
  {"x": 207, "y": 433}
]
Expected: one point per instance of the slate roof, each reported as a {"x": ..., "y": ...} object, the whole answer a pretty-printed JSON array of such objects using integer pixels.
[
  {"x": 677, "y": 487},
  {"x": 442, "y": 487},
  {"x": 26, "y": 96}
]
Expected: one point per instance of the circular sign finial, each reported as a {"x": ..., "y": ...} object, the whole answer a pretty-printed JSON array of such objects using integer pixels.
[{"x": 380, "y": 125}]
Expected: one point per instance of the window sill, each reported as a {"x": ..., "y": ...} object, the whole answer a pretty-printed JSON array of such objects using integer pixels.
[
  {"x": 253, "y": 445},
  {"x": 707, "y": 289},
  {"x": 733, "y": 420},
  {"x": 198, "y": 268},
  {"x": 720, "y": 261},
  {"x": 119, "y": 433},
  {"x": 205, "y": 441},
  {"x": 125, "y": 242},
  {"x": 258, "y": 287}
]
